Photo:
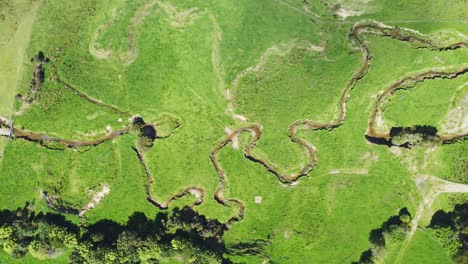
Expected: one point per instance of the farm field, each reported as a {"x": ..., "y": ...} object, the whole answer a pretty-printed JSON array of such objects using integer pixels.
[
  {"x": 15, "y": 31},
  {"x": 207, "y": 131}
]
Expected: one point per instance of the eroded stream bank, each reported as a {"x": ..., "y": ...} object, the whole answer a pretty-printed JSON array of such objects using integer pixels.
[
  {"x": 355, "y": 37},
  {"x": 53, "y": 142},
  {"x": 410, "y": 136},
  {"x": 197, "y": 192}
]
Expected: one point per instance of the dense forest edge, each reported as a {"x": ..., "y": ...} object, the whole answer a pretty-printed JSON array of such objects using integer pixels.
[
  {"x": 450, "y": 229},
  {"x": 185, "y": 235},
  {"x": 182, "y": 234}
]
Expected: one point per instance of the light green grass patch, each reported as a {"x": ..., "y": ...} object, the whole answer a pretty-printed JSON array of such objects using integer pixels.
[
  {"x": 423, "y": 249},
  {"x": 12, "y": 51}
]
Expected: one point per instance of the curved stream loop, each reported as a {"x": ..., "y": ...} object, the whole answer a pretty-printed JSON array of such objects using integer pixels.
[
  {"x": 41, "y": 138},
  {"x": 406, "y": 83},
  {"x": 355, "y": 37},
  {"x": 256, "y": 129}
]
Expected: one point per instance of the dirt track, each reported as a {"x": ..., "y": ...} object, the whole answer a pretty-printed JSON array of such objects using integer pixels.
[{"x": 439, "y": 186}]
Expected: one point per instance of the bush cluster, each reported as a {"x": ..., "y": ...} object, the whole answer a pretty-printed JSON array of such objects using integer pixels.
[{"x": 182, "y": 234}]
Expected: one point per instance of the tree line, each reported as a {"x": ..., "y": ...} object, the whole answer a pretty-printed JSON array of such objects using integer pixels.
[
  {"x": 182, "y": 234},
  {"x": 395, "y": 228},
  {"x": 451, "y": 230}
]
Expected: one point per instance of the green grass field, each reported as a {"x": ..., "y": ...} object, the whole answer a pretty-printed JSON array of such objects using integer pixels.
[
  {"x": 199, "y": 70},
  {"x": 15, "y": 39},
  {"x": 15, "y": 31},
  {"x": 424, "y": 249}
]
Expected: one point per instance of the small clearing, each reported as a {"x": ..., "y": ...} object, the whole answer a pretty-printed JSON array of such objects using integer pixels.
[
  {"x": 347, "y": 13},
  {"x": 355, "y": 8}
]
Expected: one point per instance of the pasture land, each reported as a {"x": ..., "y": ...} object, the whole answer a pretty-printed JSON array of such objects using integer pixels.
[{"x": 205, "y": 73}]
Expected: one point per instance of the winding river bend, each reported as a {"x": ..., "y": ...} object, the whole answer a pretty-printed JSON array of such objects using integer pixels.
[
  {"x": 407, "y": 83},
  {"x": 41, "y": 138},
  {"x": 355, "y": 37},
  {"x": 198, "y": 192}
]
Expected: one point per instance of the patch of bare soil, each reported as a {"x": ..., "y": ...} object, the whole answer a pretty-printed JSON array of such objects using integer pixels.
[
  {"x": 24, "y": 107},
  {"x": 258, "y": 199},
  {"x": 457, "y": 117},
  {"x": 4, "y": 131},
  {"x": 96, "y": 200},
  {"x": 234, "y": 139},
  {"x": 347, "y": 9}
]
